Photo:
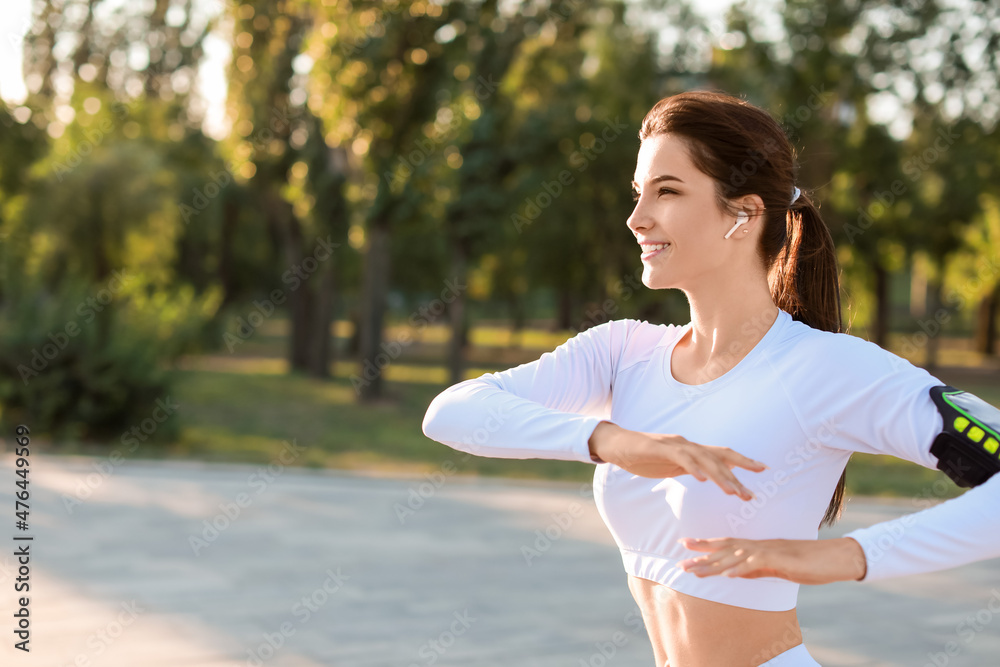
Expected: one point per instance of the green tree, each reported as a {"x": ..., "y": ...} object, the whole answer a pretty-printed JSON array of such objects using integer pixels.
[{"x": 297, "y": 176}]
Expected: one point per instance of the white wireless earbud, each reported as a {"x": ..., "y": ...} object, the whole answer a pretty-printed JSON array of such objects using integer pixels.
[{"x": 741, "y": 219}]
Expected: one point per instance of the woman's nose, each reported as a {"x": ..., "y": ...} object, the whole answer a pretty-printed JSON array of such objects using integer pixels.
[{"x": 637, "y": 221}]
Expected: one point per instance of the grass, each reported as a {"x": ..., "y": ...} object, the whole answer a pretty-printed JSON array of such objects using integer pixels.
[
  {"x": 245, "y": 407},
  {"x": 230, "y": 416}
]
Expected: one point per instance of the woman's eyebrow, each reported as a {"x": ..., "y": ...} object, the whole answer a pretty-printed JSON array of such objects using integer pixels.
[{"x": 663, "y": 177}]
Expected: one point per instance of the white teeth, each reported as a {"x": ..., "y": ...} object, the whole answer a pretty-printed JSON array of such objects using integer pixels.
[{"x": 648, "y": 247}]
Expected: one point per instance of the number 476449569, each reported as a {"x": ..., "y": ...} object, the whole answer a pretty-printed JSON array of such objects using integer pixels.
[{"x": 23, "y": 465}]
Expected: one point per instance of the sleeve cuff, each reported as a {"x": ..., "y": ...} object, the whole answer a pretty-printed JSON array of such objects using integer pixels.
[
  {"x": 876, "y": 541},
  {"x": 591, "y": 425}
]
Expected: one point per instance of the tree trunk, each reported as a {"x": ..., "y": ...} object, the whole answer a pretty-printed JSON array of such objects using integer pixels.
[
  {"x": 880, "y": 330},
  {"x": 564, "y": 314},
  {"x": 317, "y": 358},
  {"x": 376, "y": 281},
  {"x": 298, "y": 297},
  {"x": 230, "y": 218},
  {"x": 933, "y": 341},
  {"x": 986, "y": 322},
  {"x": 353, "y": 347},
  {"x": 918, "y": 288},
  {"x": 517, "y": 314},
  {"x": 457, "y": 342},
  {"x": 302, "y": 294}
]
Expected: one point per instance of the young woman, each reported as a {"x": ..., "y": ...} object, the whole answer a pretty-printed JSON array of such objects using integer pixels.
[{"x": 758, "y": 392}]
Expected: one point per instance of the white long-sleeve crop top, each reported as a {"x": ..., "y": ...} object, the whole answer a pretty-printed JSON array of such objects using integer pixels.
[
  {"x": 959, "y": 531},
  {"x": 801, "y": 401}
]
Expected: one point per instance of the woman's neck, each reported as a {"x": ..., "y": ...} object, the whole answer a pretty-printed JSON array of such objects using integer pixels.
[{"x": 727, "y": 322}]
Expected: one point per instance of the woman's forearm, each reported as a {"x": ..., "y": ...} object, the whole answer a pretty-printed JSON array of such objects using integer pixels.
[
  {"x": 953, "y": 533},
  {"x": 602, "y": 442},
  {"x": 802, "y": 561},
  {"x": 958, "y": 531}
]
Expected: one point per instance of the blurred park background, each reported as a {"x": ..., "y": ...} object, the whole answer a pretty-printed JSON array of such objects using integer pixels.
[{"x": 226, "y": 226}]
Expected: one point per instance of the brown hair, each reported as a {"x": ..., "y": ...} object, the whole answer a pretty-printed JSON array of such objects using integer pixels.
[{"x": 745, "y": 150}]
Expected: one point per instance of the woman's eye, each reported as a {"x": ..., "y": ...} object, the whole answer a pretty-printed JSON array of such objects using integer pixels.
[{"x": 662, "y": 191}]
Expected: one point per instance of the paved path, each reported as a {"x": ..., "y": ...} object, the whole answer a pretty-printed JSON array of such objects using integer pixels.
[{"x": 317, "y": 568}]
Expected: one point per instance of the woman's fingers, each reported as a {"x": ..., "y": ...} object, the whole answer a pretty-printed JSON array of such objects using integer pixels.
[
  {"x": 706, "y": 544},
  {"x": 723, "y": 560},
  {"x": 723, "y": 476},
  {"x": 703, "y": 462},
  {"x": 737, "y": 459},
  {"x": 727, "y": 557},
  {"x": 717, "y": 463},
  {"x": 746, "y": 570},
  {"x": 720, "y": 565}
]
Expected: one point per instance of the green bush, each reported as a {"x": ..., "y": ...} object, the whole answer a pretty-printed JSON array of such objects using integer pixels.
[{"x": 80, "y": 369}]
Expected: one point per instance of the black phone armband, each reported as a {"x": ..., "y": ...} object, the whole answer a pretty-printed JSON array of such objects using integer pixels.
[{"x": 967, "y": 446}]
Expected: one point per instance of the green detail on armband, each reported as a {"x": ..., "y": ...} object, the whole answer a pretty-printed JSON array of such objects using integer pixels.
[{"x": 966, "y": 448}]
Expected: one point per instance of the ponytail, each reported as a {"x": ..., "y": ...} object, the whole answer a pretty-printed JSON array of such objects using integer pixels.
[{"x": 805, "y": 282}]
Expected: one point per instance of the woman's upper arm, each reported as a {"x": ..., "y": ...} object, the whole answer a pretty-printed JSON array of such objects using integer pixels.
[
  {"x": 547, "y": 408},
  {"x": 875, "y": 402},
  {"x": 576, "y": 376}
]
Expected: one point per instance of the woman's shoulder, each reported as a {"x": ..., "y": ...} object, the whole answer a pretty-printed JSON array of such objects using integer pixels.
[
  {"x": 839, "y": 352},
  {"x": 632, "y": 340},
  {"x": 634, "y": 329}
]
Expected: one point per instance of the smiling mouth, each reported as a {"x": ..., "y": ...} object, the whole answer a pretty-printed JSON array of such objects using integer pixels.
[{"x": 653, "y": 250}]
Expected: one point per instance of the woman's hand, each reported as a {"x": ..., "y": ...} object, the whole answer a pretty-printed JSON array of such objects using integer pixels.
[
  {"x": 801, "y": 561},
  {"x": 660, "y": 455}
]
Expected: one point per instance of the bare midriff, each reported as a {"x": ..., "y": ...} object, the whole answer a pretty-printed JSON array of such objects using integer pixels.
[{"x": 692, "y": 632}]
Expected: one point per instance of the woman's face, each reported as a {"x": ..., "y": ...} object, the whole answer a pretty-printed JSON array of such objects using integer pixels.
[{"x": 676, "y": 205}]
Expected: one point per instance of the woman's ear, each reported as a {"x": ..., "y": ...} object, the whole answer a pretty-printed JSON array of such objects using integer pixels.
[{"x": 752, "y": 204}]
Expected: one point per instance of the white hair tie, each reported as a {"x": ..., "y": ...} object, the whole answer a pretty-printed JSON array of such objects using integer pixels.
[{"x": 795, "y": 195}]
